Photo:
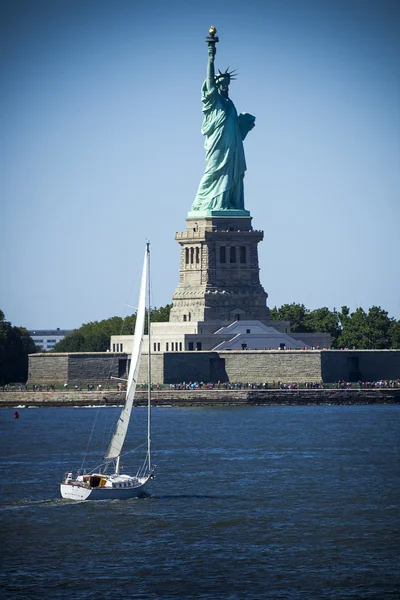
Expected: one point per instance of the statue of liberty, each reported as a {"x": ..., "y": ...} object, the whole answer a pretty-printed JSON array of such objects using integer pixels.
[{"x": 221, "y": 187}]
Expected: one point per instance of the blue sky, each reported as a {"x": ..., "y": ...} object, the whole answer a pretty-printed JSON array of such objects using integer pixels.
[{"x": 101, "y": 148}]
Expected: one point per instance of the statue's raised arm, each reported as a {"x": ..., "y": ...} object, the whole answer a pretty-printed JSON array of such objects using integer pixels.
[
  {"x": 221, "y": 187},
  {"x": 210, "y": 66}
]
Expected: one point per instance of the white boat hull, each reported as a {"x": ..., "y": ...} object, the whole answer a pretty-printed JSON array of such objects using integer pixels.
[{"x": 76, "y": 491}]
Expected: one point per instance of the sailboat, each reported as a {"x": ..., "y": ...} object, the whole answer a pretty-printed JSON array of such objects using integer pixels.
[{"x": 107, "y": 482}]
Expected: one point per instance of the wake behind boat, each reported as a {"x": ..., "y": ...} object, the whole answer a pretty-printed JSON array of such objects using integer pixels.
[{"x": 107, "y": 483}]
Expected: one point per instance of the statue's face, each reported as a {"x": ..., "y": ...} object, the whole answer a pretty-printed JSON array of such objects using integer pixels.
[{"x": 223, "y": 86}]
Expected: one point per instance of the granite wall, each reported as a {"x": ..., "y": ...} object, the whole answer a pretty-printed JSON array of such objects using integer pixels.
[
  {"x": 75, "y": 367},
  {"x": 256, "y": 366},
  {"x": 245, "y": 366},
  {"x": 92, "y": 366},
  {"x": 48, "y": 368},
  {"x": 234, "y": 366},
  {"x": 364, "y": 365}
]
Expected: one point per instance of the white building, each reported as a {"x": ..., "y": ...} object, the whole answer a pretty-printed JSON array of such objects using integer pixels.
[
  {"x": 239, "y": 335},
  {"x": 46, "y": 339}
]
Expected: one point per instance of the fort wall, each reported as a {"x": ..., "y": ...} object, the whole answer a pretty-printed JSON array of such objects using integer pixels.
[{"x": 224, "y": 366}]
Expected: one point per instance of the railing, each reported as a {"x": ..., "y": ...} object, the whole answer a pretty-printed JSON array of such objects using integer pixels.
[{"x": 179, "y": 235}]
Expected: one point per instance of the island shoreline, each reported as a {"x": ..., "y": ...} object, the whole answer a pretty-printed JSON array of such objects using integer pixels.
[{"x": 204, "y": 397}]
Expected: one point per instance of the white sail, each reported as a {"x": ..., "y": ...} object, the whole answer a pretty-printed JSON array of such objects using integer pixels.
[{"x": 118, "y": 438}]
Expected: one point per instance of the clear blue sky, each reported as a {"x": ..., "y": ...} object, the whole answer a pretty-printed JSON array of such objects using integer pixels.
[{"x": 101, "y": 148}]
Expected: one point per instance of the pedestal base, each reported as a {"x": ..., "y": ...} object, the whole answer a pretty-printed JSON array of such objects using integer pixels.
[{"x": 219, "y": 271}]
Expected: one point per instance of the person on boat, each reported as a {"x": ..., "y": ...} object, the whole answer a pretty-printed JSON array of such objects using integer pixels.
[
  {"x": 16, "y": 415},
  {"x": 221, "y": 187}
]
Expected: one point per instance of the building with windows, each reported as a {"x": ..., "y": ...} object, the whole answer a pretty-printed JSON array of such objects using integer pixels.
[{"x": 46, "y": 339}]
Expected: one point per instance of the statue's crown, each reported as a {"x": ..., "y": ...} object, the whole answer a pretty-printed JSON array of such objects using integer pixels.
[{"x": 227, "y": 73}]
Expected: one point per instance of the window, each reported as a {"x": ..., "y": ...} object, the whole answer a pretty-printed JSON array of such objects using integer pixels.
[
  {"x": 180, "y": 346},
  {"x": 191, "y": 255},
  {"x": 158, "y": 346},
  {"x": 198, "y": 345},
  {"x": 113, "y": 347},
  {"x": 190, "y": 345},
  {"x": 197, "y": 255},
  {"x": 122, "y": 347},
  {"x": 232, "y": 254},
  {"x": 243, "y": 254},
  {"x": 222, "y": 254},
  {"x": 237, "y": 317},
  {"x": 155, "y": 347},
  {"x": 247, "y": 330},
  {"x": 187, "y": 256},
  {"x": 184, "y": 317},
  {"x": 172, "y": 346},
  {"x": 166, "y": 346}
]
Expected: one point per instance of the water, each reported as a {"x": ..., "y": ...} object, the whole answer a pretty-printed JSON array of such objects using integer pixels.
[{"x": 248, "y": 503}]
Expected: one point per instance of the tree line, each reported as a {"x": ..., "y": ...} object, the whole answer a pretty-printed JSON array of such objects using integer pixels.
[
  {"x": 359, "y": 329},
  {"x": 95, "y": 336},
  {"x": 15, "y": 346}
]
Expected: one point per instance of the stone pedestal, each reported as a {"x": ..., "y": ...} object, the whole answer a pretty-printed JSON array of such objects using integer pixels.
[{"x": 219, "y": 271}]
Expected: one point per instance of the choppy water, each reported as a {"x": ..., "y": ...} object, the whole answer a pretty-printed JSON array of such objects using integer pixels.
[{"x": 248, "y": 503}]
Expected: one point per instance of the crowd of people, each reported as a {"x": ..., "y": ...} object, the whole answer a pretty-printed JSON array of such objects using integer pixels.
[
  {"x": 200, "y": 385},
  {"x": 284, "y": 385}
]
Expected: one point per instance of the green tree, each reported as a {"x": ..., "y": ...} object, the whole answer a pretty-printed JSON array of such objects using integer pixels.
[
  {"x": 73, "y": 342},
  {"x": 297, "y": 314},
  {"x": 97, "y": 342},
  {"x": 15, "y": 346},
  {"x": 354, "y": 329},
  {"x": 326, "y": 321},
  {"x": 91, "y": 337},
  {"x": 95, "y": 336},
  {"x": 359, "y": 329},
  {"x": 394, "y": 333},
  {"x": 379, "y": 325},
  {"x": 274, "y": 313},
  {"x": 366, "y": 330},
  {"x": 160, "y": 315}
]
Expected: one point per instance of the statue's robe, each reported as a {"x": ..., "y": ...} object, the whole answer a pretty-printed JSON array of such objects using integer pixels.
[{"x": 221, "y": 187}]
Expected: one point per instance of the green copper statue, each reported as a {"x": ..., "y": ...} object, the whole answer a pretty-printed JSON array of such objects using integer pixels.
[{"x": 221, "y": 187}]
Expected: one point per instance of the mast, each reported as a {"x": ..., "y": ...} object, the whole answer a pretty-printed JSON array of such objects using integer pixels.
[{"x": 148, "y": 361}]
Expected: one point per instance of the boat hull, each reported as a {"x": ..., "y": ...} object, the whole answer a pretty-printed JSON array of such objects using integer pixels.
[{"x": 74, "y": 491}]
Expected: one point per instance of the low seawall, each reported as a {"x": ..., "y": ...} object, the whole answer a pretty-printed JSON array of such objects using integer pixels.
[{"x": 205, "y": 397}]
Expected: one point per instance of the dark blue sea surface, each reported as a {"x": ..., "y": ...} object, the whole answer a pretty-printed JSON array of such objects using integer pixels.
[{"x": 248, "y": 503}]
